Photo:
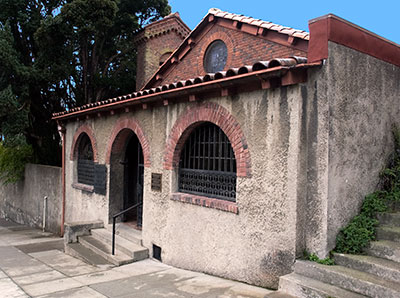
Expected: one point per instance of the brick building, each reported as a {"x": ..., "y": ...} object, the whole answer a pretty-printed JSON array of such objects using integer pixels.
[{"x": 245, "y": 144}]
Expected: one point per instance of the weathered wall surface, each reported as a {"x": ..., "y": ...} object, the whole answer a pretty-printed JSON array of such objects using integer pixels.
[
  {"x": 23, "y": 201},
  {"x": 82, "y": 205},
  {"x": 256, "y": 245},
  {"x": 354, "y": 99}
]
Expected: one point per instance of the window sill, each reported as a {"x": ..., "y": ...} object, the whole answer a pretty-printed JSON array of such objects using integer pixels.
[
  {"x": 84, "y": 187},
  {"x": 205, "y": 202}
]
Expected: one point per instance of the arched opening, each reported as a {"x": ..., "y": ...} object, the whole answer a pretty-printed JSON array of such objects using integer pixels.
[
  {"x": 207, "y": 164},
  {"x": 126, "y": 177},
  {"x": 85, "y": 164}
]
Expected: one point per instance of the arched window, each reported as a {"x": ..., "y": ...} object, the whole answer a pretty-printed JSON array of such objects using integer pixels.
[
  {"x": 85, "y": 161},
  {"x": 207, "y": 164}
]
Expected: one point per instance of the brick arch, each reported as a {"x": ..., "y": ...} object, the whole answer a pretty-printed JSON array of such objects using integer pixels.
[
  {"x": 218, "y": 115},
  {"x": 75, "y": 142},
  {"x": 119, "y": 137}
]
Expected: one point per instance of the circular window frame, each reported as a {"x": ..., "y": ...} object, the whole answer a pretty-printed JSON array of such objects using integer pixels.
[
  {"x": 206, "y": 42},
  {"x": 213, "y": 48}
]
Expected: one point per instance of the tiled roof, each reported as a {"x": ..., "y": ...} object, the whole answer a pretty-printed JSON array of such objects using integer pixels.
[
  {"x": 277, "y": 63},
  {"x": 260, "y": 23}
]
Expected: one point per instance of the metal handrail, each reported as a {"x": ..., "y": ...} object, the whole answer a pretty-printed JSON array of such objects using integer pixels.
[{"x": 114, "y": 218}]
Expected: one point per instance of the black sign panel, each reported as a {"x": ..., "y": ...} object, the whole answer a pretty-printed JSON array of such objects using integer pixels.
[
  {"x": 156, "y": 181},
  {"x": 100, "y": 179}
]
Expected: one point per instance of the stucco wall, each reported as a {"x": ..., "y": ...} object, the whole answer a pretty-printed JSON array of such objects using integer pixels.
[
  {"x": 22, "y": 202},
  {"x": 355, "y": 101},
  {"x": 256, "y": 245}
]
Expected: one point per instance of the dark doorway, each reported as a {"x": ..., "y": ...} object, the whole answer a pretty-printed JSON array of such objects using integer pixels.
[{"x": 133, "y": 181}]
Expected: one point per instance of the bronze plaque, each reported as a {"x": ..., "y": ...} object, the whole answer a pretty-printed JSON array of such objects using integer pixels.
[{"x": 156, "y": 181}]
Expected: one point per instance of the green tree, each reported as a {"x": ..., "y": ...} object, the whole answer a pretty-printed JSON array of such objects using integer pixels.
[{"x": 57, "y": 54}]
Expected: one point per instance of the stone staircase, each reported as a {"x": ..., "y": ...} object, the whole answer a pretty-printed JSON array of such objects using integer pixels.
[
  {"x": 375, "y": 274},
  {"x": 94, "y": 246}
]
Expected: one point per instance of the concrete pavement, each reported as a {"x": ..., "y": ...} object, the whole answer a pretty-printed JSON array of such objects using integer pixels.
[{"x": 32, "y": 264}]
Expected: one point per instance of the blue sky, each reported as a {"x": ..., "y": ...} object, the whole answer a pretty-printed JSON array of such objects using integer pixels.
[{"x": 381, "y": 17}]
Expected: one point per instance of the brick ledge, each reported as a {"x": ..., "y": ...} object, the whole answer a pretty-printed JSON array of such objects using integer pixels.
[{"x": 214, "y": 203}]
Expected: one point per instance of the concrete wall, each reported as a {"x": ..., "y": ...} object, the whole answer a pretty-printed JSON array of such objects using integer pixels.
[
  {"x": 354, "y": 101},
  {"x": 22, "y": 202},
  {"x": 256, "y": 245}
]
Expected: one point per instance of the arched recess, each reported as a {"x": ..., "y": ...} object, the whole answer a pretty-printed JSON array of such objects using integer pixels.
[
  {"x": 128, "y": 152},
  {"x": 119, "y": 136},
  {"x": 221, "y": 117},
  {"x": 75, "y": 142}
]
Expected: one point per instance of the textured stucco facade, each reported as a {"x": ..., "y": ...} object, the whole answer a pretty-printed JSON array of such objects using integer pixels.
[
  {"x": 207, "y": 239},
  {"x": 356, "y": 98},
  {"x": 309, "y": 146}
]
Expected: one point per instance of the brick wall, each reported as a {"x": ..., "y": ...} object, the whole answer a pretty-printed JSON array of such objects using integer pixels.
[
  {"x": 154, "y": 41},
  {"x": 243, "y": 49}
]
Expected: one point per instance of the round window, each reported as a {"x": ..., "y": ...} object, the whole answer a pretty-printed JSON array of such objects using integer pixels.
[{"x": 215, "y": 57}]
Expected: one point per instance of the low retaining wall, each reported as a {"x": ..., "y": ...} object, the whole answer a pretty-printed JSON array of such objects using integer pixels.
[{"x": 23, "y": 201}]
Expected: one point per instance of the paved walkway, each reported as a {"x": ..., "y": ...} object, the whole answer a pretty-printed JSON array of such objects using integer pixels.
[{"x": 32, "y": 264}]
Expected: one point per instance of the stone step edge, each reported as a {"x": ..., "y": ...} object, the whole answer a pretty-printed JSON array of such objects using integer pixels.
[
  {"x": 304, "y": 287},
  {"x": 379, "y": 267},
  {"x": 126, "y": 232},
  {"x": 120, "y": 242},
  {"x": 134, "y": 250},
  {"x": 118, "y": 259},
  {"x": 71, "y": 249},
  {"x": 384, "y": 249},
  {"x": 349, "y": 279}
]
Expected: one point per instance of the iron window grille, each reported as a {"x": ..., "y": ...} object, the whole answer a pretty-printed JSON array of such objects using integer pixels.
[
  {"x": 85, "y": 161},
  {"x": 207, "y": 164}
]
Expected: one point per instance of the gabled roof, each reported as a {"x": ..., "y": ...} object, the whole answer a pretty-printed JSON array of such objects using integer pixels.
[{"x": 274, "y": 32}]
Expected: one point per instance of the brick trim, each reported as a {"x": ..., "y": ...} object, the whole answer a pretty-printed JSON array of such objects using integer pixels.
[
  {"x": 207, "y": 42},
  {"x": 205, "y": 202},
  {"x": 119, "y": 139},
  {"x": 210, "y": 112},
  {"x": 75, "y": 141}
]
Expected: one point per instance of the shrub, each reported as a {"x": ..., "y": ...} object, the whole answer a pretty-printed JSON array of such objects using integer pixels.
[{"x": 12, "y": 162}]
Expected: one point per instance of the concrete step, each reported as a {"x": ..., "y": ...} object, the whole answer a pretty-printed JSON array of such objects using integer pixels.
[
  {"x": 127, "y": 232},
  {"x": 87, "y": 255},
  {"x": 305, "y": 287},
  {"x": 394, "y": 206},
  {"x": 384, "y": 249},
  {"x": 104, "y": 250},
  {"x": 388, "y": 233},
  {"x": 383, "y": 268},
  {"x": 389, "y": 219},
  {"x": 137, "y": 252},
  {"x": 349, "y": 279},
  {"x": 278, "y": 294}
]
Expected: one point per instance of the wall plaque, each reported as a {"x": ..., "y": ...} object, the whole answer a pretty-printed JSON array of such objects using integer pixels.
[
  {"x": 100, "y": 179},
  {"x": 156, "y": 181}
]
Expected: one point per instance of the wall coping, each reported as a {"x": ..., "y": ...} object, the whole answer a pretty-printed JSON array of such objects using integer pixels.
[{"x": 333, "y": 28}]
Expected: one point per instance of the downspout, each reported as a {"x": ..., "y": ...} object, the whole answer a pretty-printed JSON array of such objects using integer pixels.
[{"x": 61, "y": 130}]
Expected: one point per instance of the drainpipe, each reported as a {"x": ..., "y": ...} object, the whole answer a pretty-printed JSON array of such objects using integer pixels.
[{"x": 61, "y": 130}]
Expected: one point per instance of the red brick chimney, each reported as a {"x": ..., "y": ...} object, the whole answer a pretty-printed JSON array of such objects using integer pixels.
[{"x": 155, "y": 43}]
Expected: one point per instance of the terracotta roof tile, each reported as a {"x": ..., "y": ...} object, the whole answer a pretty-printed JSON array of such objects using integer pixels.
[
  {"x": 260, "y": 65},
  {"x": 259, "y": 23}
]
